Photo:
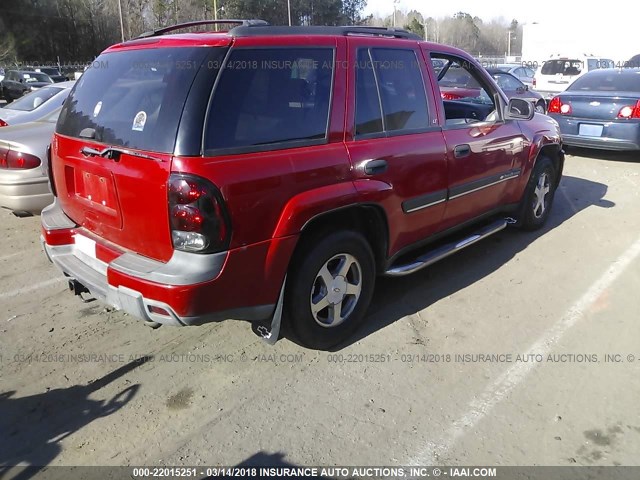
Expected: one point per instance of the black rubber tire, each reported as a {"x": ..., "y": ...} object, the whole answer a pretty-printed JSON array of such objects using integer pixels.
[
  {"x": 308, "y": 261},
  {"x": 527, "y": 218},
  {"x": 541, "y": 104}
]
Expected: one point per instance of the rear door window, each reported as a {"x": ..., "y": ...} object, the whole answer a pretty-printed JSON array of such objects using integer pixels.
[
  {"x": 271, "y": 98},
  {"x": 404, "y": 102},
  {"x": 133, "y": 98},
  {"x": 390, "y": 95}
]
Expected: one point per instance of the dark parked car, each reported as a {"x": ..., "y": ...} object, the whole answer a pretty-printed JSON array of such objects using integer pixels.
[
  {"x": 285, "y": 178},
  {"x": 18, "y": 82},
  {"x": 54, "y": 73},
  {"x": 515, "y": 88},
  {"x": 601, "y": 110}
]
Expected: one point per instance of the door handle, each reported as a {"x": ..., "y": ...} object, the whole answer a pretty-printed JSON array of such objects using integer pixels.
[
  {"x": 462, "y": 151},
  {"x": 375, "y": 167}
]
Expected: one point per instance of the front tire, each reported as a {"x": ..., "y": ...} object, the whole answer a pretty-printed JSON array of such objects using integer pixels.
[
  {"x": 330, "y": 288},
  {"x": 538, "y": 196}
]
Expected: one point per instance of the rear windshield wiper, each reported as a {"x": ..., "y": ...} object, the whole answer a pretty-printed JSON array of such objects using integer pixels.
[{"x": 114, "y": 153}]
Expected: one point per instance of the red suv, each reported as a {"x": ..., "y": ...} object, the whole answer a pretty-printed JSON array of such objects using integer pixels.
[{"x": 267, "y": 172}]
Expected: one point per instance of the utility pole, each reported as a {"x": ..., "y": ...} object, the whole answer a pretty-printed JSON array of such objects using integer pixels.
[
  {"x": 215, "y": 10},
  {"x": 395, "y": 2},
  {"x": 508, "y": 43},
  {"x": 121, "y": 22},
  {"x": 289, "y": 10}
]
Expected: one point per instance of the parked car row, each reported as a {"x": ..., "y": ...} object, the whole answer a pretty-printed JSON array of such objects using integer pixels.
[{"x": 27, "y": 127}]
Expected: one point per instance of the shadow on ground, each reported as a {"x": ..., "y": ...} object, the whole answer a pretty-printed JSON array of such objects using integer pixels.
[
  {"x": 32, "y": 427},
  {"x": 474, "y": 263}
]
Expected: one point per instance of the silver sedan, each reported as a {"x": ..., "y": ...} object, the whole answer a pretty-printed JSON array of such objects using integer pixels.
[
  {"x": 35, "y": 105},
  {"x": 24, "y": 186}
]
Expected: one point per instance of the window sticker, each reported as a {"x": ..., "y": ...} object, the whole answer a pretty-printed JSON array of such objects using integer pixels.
[
  {"x": 139, "y": 121},
  {"x": 96, "y": 109}
]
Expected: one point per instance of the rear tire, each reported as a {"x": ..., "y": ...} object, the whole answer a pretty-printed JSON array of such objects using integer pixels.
[
  {"x": 541, "y": 107},
  {"x": 538, "y": 196},
  {"x": 329, "y": 288}
]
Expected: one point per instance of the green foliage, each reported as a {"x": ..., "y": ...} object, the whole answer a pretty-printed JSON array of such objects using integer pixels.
[
  {"x": 416, "y": 27},
  {"x": 78, "y": 30}
]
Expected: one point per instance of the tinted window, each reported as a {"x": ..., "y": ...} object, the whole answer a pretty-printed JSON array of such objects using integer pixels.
[
  {"x": 270, "y": 96},
  {"x": 507, "y": 82},
  {"x": 35, "y": 77},
  {"x": 368, "y": 112},
  {"x": 133, "y": 98},
  {"x": 614, "y": 81},
  {"x": 34, "y": 99},
  {"x": 404, "y": 102},
  {"x": 564, "y": 67}
]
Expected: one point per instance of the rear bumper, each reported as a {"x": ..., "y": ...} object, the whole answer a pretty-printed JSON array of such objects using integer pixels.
[
  {"x": 616, "y": 135},
  {"x": 190, "y": 289},
  {"x": 20, "y": 193}
]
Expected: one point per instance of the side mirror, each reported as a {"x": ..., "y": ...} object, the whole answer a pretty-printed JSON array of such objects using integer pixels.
[
  {"x": 519, "y": 109},
  {"x": 526, "y": 88}
]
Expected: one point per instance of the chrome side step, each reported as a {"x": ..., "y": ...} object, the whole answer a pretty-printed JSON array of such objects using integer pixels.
[{"x": 444, "y": 251}]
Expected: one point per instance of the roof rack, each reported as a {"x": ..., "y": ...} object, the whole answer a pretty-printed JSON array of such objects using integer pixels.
[
  {"x": 266, "y": 29},
  {"x": 179, "y": 26}
]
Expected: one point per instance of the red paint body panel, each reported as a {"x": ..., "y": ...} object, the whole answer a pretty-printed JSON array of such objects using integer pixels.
[
  {"x": 134, "y": 191},
  {"x": 251, "y": 276}
]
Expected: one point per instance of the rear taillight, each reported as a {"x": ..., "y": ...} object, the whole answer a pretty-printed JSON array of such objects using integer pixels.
[
  {"x": 451, "y": 96},
  {"x": 630, "y": 111},
  {"x": 3, "y": 123},
  {"x": 557, "y": 106},
  {"x": 199, "y": 221},
  {"x": 534, "y": 82},
  {"x": 16, "y": 160}
]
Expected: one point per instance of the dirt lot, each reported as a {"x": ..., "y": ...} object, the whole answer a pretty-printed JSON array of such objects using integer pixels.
[{"x": 82, "y": 385}]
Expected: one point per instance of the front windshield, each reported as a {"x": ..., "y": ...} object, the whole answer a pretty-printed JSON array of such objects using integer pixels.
[{"x": 35, "y": 99}]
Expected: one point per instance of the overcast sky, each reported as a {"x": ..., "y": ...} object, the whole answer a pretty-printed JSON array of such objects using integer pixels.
[{"x": 566, "y": 14}]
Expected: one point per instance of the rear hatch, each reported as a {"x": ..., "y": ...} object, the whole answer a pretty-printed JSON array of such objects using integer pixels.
[
  {"x": 598, "y": 105},
  {"x": 114, "y": 141}
]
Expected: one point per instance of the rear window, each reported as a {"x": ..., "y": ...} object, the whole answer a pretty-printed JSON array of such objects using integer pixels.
[
  {"x": 615, "y": 81},
  {"x": 33, "y": 77},
  {"x": 564, "y": 67},
  {"x": 132, "y": 98},
  {"x": 270, "y": 97},
  {"x": 33, "y": 100}
]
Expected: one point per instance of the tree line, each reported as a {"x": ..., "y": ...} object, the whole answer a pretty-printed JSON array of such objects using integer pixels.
[
  {"x": 76, "y": 31},
  {"x": 495, "y": 37}
]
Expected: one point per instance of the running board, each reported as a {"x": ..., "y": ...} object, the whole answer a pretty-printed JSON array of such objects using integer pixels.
[{"x": 444, "y": 251}]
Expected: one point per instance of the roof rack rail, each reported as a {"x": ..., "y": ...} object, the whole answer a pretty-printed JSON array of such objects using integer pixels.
[
  {"x": 262, "y": 29},
  {"x": 162, "y": 31}
]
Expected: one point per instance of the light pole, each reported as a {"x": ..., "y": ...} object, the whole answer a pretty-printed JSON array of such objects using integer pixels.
[
  {"x": 509, "y": 43},
  {"x": 289, "y": 10},
  {"x": 121, "y": 22},
  {"x": 395, "y": 2}
]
